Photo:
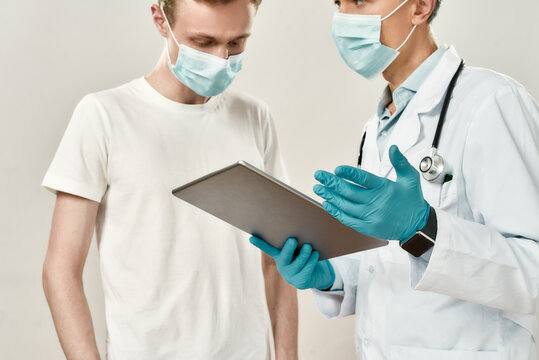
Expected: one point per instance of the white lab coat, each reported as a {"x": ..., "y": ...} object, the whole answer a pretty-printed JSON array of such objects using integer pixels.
[{"x": 476, "y": 297}]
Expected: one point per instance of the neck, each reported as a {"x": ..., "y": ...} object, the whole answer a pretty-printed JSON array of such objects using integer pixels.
[
  {"x": 420, "y": 46},
  {"x": 165, "y": 82}
]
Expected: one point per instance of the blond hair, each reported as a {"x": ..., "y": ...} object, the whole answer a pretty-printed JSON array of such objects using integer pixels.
[{"x": 170, "y": 5}]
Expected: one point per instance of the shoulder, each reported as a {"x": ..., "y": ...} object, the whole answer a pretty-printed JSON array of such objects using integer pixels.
[
  {"x": 485, "y": 84},
  {"x": 111, "y": 97},
  {"x": 499, "y": 106},
  {"x": 93, "y": 112},
  {"x": 108, "y": 99},
  {"x": 486, "y": 87},
  {"x": 487, "y": 95},
  {"x": 97, "y": 109}
]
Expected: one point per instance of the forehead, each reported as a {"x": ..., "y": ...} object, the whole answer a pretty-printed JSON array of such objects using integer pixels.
[{"x": 232, "y": 19}]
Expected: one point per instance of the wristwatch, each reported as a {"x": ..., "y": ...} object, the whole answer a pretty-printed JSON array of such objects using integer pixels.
[{"x": 424, "y": 239}]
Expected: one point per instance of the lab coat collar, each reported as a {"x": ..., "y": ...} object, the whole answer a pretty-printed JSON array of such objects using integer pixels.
[{"x": 430, "y": 94}]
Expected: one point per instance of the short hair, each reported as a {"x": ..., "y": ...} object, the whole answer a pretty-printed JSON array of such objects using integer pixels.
[
  {"x": 170, "y": 5},
  {"x": 435, "y": 11}
]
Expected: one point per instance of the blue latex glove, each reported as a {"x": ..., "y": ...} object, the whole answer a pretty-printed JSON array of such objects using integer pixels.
[
  {"x": 373, "y": 205},
  {"x": 304, "y": 271}
]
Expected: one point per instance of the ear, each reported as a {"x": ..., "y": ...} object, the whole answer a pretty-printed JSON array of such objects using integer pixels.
[
  {"x": 159, "y": 20},
  {"x": 423, "y": 9}
]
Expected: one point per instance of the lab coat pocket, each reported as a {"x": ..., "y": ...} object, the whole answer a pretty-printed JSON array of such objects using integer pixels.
[
  {"x": 441, "y": 196},
  {"x": 407, "y": 353},
  {"x": 432, "y": 192},
  {"x": 448, "y": 197}
]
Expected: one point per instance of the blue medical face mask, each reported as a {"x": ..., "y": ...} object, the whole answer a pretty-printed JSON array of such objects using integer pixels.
[
  {"x": 207, "y": 75},
  {"x": 358, "y": 40}
]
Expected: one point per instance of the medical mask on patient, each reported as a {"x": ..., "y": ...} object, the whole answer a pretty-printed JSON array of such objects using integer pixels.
[
  {"x": 207, "y": 75},
  {"x": 358, "y": 40}
]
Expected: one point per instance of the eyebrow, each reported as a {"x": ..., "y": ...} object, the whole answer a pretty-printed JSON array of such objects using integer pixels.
[
  {"x": 208, "y": 37},
  {"x": 244, "y": 36}
]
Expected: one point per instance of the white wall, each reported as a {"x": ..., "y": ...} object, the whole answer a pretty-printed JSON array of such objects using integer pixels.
[{"x": 54, "y": 52}]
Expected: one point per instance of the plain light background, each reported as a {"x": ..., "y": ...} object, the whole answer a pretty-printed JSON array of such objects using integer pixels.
[{"x": 54, "y": 52}]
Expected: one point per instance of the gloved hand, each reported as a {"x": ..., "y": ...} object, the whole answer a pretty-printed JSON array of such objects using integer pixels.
[
  {"x": 373, "y": 205},
  {"x": 304, "y": 271}
]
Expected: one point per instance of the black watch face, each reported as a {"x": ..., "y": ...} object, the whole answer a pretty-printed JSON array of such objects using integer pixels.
[{"x": 417, "y": 245}]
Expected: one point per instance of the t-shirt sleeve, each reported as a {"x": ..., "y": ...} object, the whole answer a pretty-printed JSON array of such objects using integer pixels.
[
  {"x": 80, "y": 164},
  {"x": 273, "y": 160}
]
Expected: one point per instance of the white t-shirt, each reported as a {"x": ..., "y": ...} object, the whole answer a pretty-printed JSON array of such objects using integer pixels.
[{"x": 178, "y": 282}]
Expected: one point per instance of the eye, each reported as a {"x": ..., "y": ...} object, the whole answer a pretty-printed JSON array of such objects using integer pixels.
[
  {"x": 236, "y": 43},
  {"x": 201, "y": 42},
  {"x": 355, "y": 2}
]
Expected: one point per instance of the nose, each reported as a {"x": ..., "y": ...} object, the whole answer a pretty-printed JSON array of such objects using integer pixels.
[
  {"x": 222, "y": 52},
  {"x": 344, "y": 8}
]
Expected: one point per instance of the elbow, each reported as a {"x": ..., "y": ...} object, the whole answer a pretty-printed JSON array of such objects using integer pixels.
[{"x": 54, "y": 277}]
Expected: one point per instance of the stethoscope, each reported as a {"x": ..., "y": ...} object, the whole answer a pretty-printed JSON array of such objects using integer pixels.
[{"x": 432, "y": 166}]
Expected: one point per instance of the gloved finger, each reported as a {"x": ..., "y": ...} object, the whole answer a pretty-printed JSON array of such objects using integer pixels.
[
  {"x": 337, "y": 185},
  {"x": 357, "y": 210},
  {"x": 309, "y": 267},
  {"x": 405, "y": 171},
  {"x": 361, "y": 177},
  {"x": 301, "y": 259},
  {"x": 287, "y": 252},
  {"x": 343, "y": 217},
  {"x": 264, "y": 246}
]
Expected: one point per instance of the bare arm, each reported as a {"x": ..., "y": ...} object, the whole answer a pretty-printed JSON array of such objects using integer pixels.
[
  {"x": 283, "y": 308},
  {"x": 71, "y": 234}
]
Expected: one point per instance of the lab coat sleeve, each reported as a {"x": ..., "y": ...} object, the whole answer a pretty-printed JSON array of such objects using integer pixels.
[
  {"x": 494, "y": 259},
  {"x": 338, "y": 303}
]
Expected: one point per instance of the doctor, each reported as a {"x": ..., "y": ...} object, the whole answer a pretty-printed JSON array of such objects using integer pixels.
[{"x": 471, "y": 288}]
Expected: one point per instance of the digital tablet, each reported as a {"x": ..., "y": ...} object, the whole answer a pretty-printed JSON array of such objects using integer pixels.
[{"x": 257, "y": 203}]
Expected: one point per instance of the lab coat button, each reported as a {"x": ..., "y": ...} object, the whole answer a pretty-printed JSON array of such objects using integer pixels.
[{"x": 371, "y": 269}]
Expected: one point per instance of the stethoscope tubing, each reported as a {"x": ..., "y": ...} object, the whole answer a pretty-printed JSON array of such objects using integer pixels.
[{"x": 441, "y": 119}]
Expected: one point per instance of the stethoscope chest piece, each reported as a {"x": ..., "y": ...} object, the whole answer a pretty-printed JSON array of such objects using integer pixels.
[{"x": 431, "y": 167}]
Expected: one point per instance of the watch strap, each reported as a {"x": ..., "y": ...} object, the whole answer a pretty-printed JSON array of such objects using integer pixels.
[
  {"x": 424, "y": 239},
  {"x": 431, "y": 228}
]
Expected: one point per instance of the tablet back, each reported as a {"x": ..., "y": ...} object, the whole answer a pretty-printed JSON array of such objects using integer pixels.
[{"x": 259, "y": 204}]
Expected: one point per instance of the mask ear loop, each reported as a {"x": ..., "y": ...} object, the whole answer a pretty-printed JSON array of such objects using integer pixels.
[
  {"x": 394, "y": 11},
  {"x": 407, "y": 38},
  {"x": 168, "y": 53},
  {"x": 411, "y": 32},
  {"x": 171, "y": 33}
]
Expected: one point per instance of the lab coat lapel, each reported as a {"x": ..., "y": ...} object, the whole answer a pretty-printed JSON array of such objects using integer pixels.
[
  {"x": 404, "y": 135},
  {"x": 371, "y": 160},
  {"x": 408, "y": 128}
]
